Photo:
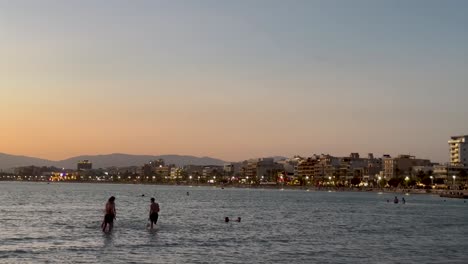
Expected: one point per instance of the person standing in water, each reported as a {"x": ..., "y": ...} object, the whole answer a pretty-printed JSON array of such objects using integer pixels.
[
  {"x": 154, "y": 210},
  {"x": 110, "y": 214}
]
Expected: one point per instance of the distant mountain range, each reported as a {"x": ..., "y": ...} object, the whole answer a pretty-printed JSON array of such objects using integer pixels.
[{"x": 103, "y": 161}]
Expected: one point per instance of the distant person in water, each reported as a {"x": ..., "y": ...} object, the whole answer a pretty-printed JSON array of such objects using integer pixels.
[
  {"x": 403, "y": 200},
  {"x": 154, "y": 212},
  {"x": 395, "y": 200},
  {"x": 238, "y": 219},
  {"x": 188, "y": 193},
  {"x": 110, "y": 214},
  {"x": 226, "y": 219}
]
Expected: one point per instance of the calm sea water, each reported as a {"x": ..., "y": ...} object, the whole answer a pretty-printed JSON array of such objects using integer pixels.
[{"x": 60, "y": 223}]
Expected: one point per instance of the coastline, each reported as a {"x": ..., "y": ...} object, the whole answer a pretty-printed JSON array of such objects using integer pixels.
[{"x": 278, "y": 187}]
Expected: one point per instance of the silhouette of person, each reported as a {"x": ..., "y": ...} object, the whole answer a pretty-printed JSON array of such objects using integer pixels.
[
  {"x": 109, "y": 215},
  {"x": 154, "y": 212}
]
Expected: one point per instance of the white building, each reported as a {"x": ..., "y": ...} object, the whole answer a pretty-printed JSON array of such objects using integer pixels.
[{"x": 459, "y": 151}]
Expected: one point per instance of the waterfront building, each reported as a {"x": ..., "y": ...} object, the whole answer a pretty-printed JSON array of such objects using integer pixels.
[
  {"x": 28, "y": 171},
  {"x": 401, "y": 165},
  {"x": 354, "y": 166},
  {"x": 263, "y": 169},
  {"x": 440, "y": 170},
  {"x": 458, "y": 150},
  {"x": 228, "y": 169},
  {"x": 326, "y": 166},
  {"x": 373, "y": 169},
  {"x": 232, "y": 169},
  {"x": 249, "y": 170},
  {"x": 267, "y": 169},
  {"x": 176, "y": 173},
  {"x": 162, "y": 171},
  {"x": 306, "y": 167},
  {"x": 127, "y": 170},
  {"x": 194, "y": 170},
  {"x": 84, "y": 165},
  {"x": 290, "y": 165},
  {"x": 212, "y": 171}
]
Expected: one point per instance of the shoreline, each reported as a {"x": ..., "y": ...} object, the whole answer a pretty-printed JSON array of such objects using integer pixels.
[{"x": 278, "y": 187}]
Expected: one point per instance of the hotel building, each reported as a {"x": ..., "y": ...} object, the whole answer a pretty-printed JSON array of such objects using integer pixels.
[{"x": 459, "y": 151}]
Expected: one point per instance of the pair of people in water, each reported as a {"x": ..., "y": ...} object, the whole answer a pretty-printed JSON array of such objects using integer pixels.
[
  {"x": 110, "y": 214},
  {"x": 397, "y": 201}
]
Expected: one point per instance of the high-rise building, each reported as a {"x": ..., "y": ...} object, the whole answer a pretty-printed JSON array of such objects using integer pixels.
[
  {"x": 459, "y": 151},
  {"x": 84, "y": 165}
]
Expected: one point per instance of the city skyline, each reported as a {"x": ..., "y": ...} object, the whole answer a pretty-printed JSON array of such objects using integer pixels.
[{"x": 232, "y": 80}]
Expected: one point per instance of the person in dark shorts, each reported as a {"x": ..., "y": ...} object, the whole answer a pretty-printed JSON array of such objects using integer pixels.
[
  {"x": 154, "y": 210},
  {"x": 110, "y": 214}
]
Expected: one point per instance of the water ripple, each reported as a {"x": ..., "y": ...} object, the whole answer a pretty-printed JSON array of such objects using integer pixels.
[{"x": 60, "y": 223}]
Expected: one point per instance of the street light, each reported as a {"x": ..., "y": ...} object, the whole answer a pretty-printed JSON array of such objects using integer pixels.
[
  {"x": 454, "y": 177},
  {"x": 432, "y": 179},
  {"x": 407, "y": 180}
]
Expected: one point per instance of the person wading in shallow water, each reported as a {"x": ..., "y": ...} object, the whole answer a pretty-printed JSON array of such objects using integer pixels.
[
  {"x": 154, "y": 210},
  {"x": 110, "y": 215}
]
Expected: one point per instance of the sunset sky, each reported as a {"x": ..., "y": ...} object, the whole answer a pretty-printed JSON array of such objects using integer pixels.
[{"x": 232, "y": 79}]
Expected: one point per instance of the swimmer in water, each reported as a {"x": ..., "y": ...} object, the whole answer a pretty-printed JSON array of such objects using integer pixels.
[
  {"x": 226, "y": 219},
  {"x": 238, "y": 219},
  {"x": 395, "y": 200}
]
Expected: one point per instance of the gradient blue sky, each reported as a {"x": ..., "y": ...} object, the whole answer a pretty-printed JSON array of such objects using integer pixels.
[{"x": 232, "y": 79}]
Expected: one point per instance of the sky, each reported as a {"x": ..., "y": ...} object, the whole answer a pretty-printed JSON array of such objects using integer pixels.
[{"x": 232, "y": 79}]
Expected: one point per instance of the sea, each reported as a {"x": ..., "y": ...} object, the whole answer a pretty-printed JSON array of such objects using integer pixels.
[{"x": 60, "y": 223}]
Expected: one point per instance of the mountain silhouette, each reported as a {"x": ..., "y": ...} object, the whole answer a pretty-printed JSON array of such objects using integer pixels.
[{"x": 103, "y": 161}]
